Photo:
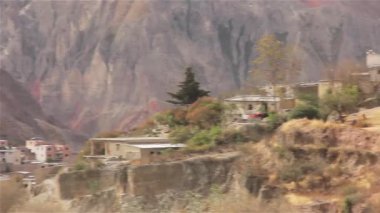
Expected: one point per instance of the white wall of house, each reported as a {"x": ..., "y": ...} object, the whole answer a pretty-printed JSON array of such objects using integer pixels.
[
  {"x": 123, "y": 150},
  {"x": 373, "y": 59}
]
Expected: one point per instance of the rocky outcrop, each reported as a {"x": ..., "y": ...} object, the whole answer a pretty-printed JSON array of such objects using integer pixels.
[{"x": 107, "y": 64}]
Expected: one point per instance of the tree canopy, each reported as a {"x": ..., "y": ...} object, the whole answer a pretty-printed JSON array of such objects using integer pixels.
[
  {"x": 189, "y": 90},
  {"x": 341, "y": 101},
  {"x": 276, "y": 62}
]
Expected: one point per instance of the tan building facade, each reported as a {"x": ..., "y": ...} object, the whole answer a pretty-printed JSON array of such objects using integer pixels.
[{"x": 132, "y": 147}]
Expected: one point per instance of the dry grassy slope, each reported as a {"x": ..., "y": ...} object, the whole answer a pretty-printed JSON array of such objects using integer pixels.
[
  {"x": 372, "y": 118},
  {"x": 346, "y": 159},
  {"x": 326, "y": 134}
]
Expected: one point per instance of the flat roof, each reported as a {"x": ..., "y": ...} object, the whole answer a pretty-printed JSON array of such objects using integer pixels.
[
  {"x": 307, "y": 84},
  {"x": 159, "y": 145},
  {"x": 360, "y": 74},
  {"x": 253, "y": 98},
  {"x": 131, "y": 139}
]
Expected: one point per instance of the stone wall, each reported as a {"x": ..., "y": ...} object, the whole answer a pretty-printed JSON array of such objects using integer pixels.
[
  {"x": 80, "y": 183},
  {"x": 196, "y": 174}
]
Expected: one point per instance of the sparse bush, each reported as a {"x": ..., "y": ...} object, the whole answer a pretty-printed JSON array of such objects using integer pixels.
[
  {"x": 245, "y": 134},
  {"x": 343, "y": 101},
  {"x": 93, "y": 185},
  {"x": 172, "y": 118},
  {"x": 298, "y": 169},
  {"x": 182, "y": 134},
  {"x": 350, "y": 201},
  {"x": 274, "y": 120},
  {"x": 304, "y": 111},
  {"x": 205, "y": 113},
  {"x": 283, "y": 152},
  {"x": 204, "y": 140},
  {"x": 231, "y": 137},
  {"x": 80, "y": 165}
]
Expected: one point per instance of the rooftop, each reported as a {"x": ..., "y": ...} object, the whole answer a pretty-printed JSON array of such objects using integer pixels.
[
  {"x": 160, "y": 145},
  {"x": 253, "y": 98},
  {"x": 307, "y": 84},
  {"x": 132, "y": 139}
]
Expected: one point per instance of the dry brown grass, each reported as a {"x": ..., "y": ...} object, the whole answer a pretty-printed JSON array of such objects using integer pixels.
[
  {"x": 241, "y": 203},
  {"x": 40, "y": 207},
  {"x": 11, "y": 194}
]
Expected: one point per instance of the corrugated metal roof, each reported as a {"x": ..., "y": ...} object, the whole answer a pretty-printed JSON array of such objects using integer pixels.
[{"x": 158, "y": 145}]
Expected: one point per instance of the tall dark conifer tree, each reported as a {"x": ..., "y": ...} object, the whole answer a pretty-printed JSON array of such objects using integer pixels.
[{"x": 189, "y": 90}]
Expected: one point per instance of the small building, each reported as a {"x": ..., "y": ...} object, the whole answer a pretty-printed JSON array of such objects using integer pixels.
[
  {"x": 246, "y": 106},
  {"x": 27, "y": 154},
  {"x": 306, "y": 89},
  {"x": 12, "y": 156},
  {"x": 34, "y": 142},
  {"x": 373, "y": 66},
  {"x": 317, "y": 89},
  {"x": 51, "y": 152},
  {"x": 131, "y": 148},
  {"x": 4, "y": 143}
]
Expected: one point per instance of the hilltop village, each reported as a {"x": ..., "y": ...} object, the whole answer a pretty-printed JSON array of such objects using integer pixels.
[{"x": 274, "y": 119}]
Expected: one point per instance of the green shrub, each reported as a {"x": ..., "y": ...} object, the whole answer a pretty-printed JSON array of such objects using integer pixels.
[
  {"x": 172, "y": 117},
  {"x": 204, "y": 140},
  {"x": 182, "y": 134},
  {"x": 205, "y": 113},
  {"x": 252, "y": 133},
  {"x": 274, "y": 120},
  {"x": 80, "y": 165},
  {"x": 231, "y": 136},
  {"x": 304, "y": 111}
]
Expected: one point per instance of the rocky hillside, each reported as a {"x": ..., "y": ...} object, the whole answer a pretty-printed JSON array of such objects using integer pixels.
[
  {"x": 108, "y": 64},
  {"x": 307, "y": 166},
  {"x": 21, "y": 117}
]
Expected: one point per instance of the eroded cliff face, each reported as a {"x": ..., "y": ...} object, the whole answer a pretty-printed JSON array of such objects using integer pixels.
[{"x": 98, "y": 65}]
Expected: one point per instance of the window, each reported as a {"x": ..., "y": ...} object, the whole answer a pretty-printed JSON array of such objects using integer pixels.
[
  {"x": 48, "y": 149},
  {"x": 117, "y": 146},
  {"x": 250, "y": 107},
  {"x": 378, "y": 72}
]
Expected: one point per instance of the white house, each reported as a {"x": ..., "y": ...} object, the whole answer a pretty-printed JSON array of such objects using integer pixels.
[
  {"x": 51, "y": 152},
  {"x": 373, "y": 65}
]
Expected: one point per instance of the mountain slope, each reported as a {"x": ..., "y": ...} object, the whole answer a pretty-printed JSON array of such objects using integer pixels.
[
  {"x": 107, "y": 64},
  {"x": 21, "y": 117}
]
